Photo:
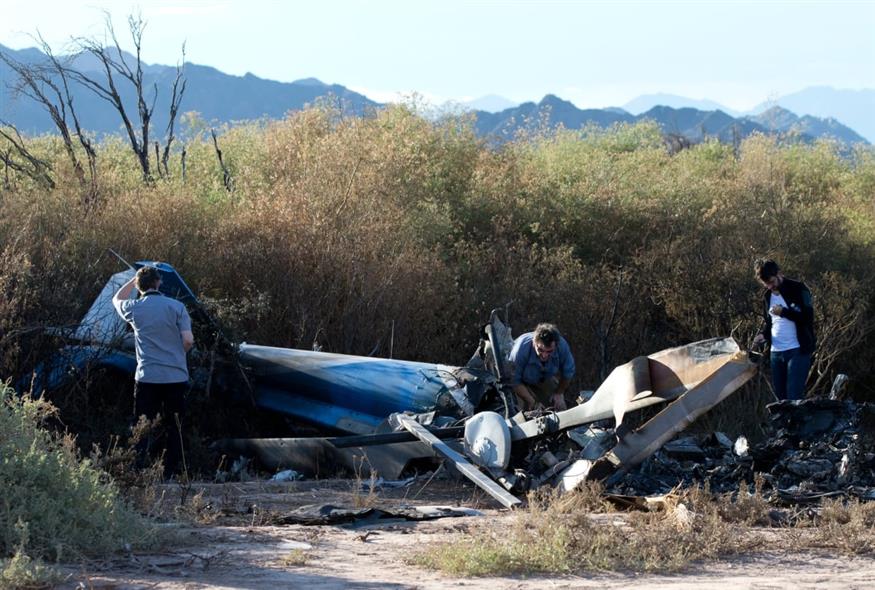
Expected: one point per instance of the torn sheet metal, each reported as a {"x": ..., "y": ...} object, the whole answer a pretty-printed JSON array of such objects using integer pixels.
[
  {"x": 642, "y": 382},
  {"x": 707, "y": 392},
  {"x": 348, "y": 393}
]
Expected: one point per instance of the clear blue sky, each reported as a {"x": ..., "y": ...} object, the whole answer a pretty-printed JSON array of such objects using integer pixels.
[{"x": 595, "y": 54}]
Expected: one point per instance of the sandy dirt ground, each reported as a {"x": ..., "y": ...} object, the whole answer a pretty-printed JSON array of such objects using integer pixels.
[{"x": 242, "y": 547}]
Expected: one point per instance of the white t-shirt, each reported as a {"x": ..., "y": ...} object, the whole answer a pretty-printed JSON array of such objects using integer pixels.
[{"x": 783, "y": 329}]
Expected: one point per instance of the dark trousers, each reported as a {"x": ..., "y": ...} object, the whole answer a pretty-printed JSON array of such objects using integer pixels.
[
  {"x": 789, "y": 373},
  {"x": 168, "y": 400}
]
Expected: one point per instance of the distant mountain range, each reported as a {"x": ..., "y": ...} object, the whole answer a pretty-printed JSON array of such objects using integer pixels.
[
  {"x": 853, "y": 108},
  {"x": 692, "y": 123},
  {"x": 491, "y": 103},
  {"x": 222, "y": 98},
  {"x": 215, "y": 95},
  {"x": 645, "y": 102}
]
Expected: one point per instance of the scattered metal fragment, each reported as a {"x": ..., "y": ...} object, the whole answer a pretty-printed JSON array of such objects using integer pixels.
[
  {"x": 741, "y": 447},
  {"x": 315, "y": 514}
]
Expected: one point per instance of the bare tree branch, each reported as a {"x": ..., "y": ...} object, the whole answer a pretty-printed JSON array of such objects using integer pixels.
[
  {"x": 31, "y": 166},
  {"x": 47, "y": 84},
  {"x": 176, "y": 95}
]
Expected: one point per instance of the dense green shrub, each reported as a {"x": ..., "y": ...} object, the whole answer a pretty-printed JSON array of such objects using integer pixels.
[{"x": 52, "y": 504}]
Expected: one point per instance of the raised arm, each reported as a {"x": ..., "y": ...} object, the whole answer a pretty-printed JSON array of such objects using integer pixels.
[{"x": 124, "y": 293}]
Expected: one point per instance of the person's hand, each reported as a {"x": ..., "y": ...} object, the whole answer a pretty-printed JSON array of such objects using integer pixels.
[
  {"x": 559, "y": 402},
  {"x": 776, "y": 310},
  {"x": 759, "y": 339}
]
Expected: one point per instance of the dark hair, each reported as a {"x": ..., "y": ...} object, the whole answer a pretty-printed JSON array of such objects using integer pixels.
[
  {"x": 547, "y": 334},
  {"x": 147, "y": 278},
  {"x": 766, "y": 268}
]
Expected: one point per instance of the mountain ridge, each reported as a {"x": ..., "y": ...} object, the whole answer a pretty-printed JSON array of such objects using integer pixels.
[{"x": 223, "y": 98}]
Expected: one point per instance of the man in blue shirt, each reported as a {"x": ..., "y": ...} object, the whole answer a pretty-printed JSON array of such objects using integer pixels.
[
  {"x": 543, "y": 368},
  {"x": 162, "y": 337}
]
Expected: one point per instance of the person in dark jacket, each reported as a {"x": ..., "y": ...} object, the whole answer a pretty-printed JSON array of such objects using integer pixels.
[{"x": 788, "y": 329}]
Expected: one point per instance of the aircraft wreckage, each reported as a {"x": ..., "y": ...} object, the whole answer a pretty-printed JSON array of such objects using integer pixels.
[{"x": 396, "y": 413}]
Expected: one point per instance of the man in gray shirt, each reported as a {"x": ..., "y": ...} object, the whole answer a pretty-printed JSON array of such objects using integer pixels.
[{"x": 162, "y": 337}]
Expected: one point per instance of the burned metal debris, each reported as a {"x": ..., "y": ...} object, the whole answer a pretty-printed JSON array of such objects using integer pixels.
[
  {"x": 506, "y": 452},
  {"x": 814, "y": 448},
  {"x": 403, "y": 414}
]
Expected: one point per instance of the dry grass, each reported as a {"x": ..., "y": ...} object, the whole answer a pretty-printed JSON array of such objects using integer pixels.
[
  {"x": 578, "y": 532},
  {"x": 845, "y": 526},
  {"x": 747, "y": 507},
  {"x": 365, "y": 493},
  {"x": 559, "y": 534}
]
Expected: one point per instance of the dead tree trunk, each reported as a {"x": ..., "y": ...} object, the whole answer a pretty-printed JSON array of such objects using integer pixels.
[
  {"x": 117, "y": 69},
  {"x": 175, "y": 99},
  {"x": 226, "y": 174},
  {"x": 49, "y": 85}
]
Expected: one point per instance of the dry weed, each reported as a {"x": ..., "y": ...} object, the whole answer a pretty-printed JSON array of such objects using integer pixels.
[
  {"x": 747, "y": 507},
  {"x": 360, "y": 498},
  {"x": 556, "y": 534},
  {"x": 845, "y": 525},
  {"x": 295, "y": 557}
]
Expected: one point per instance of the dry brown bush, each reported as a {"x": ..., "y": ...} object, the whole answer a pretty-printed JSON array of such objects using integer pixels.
[{"x": 347, "y": 231}]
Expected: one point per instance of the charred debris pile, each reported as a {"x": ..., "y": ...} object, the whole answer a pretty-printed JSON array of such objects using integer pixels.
[
  {"x": 398, "y": 415},
  {"x": 814, "y": 448}
]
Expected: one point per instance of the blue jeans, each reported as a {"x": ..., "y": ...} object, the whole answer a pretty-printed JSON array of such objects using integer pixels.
[{"x": 789, "y": 372}]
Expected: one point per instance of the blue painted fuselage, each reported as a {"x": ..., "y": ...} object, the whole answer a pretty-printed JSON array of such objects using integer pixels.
[{"x": 349, "y": 393}]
